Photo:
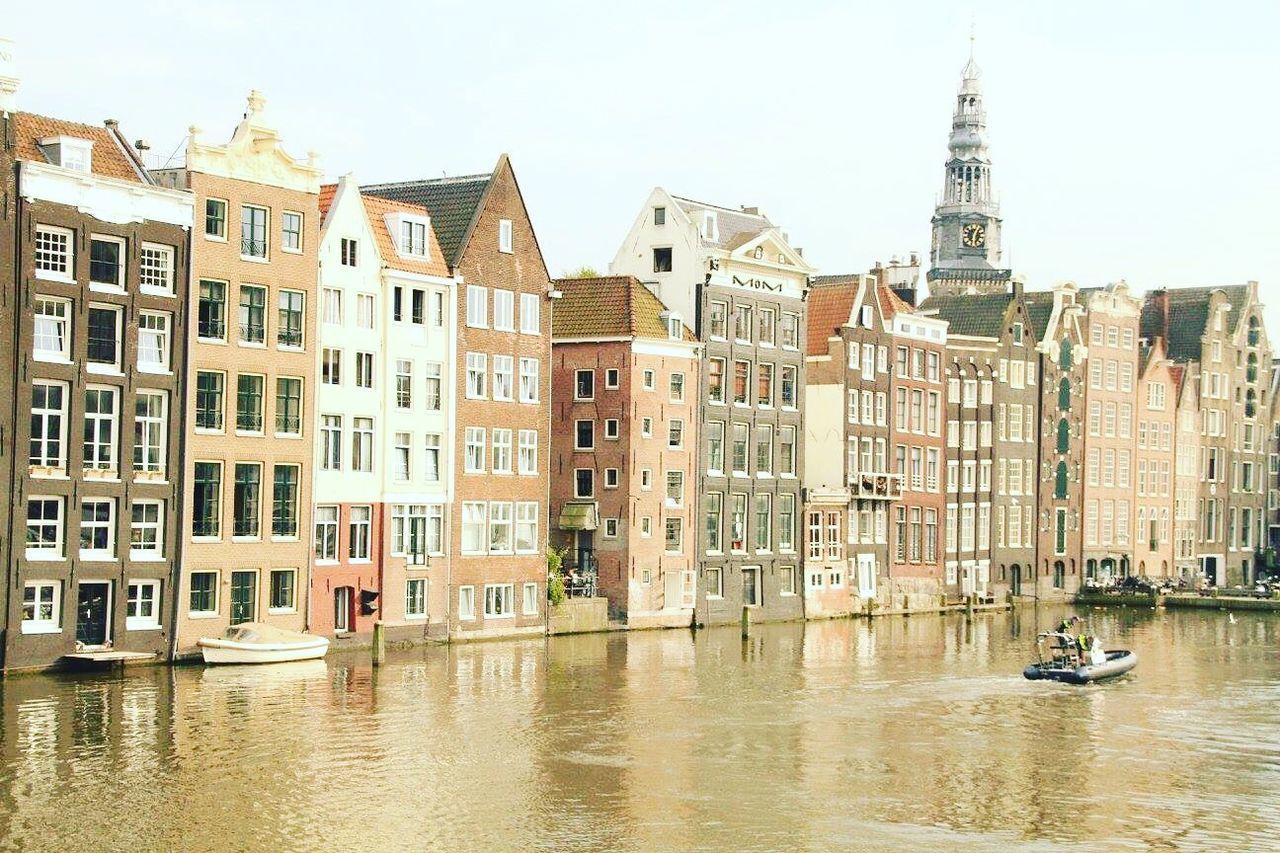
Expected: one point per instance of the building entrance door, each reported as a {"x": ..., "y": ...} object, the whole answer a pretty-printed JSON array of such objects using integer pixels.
[
  {"x": 867, "y": 575},
  {"x": 93, "y": 613}
]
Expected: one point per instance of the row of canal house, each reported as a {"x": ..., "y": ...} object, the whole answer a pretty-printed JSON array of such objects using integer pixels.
[
  {"x": 244, "y": 395},
  {"x": 241, "y": 395}
]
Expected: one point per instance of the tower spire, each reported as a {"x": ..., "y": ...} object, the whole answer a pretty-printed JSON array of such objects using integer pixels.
[{"x": 966, "y": 222}]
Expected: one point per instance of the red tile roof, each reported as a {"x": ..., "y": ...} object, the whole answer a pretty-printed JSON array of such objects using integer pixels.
[
  {"x": 327, "y": 192},
  {"x": 608, "y": 307},
  {"x": 891, "y": 303},
  {"x": 829, "y": 308},
  {"x": 378, "y": 209},
  {"x": 108, "y": 160}
]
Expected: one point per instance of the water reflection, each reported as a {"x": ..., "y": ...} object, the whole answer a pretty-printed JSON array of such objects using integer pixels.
[{"x": 890, "y": 733}]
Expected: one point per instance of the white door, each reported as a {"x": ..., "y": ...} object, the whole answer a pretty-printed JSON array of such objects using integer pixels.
[
  {"x": 867, "y": 575},
  {"x": 966, "y": 579}
]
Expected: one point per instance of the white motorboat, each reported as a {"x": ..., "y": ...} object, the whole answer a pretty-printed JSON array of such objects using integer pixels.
[{"x": 254, "y": 642}]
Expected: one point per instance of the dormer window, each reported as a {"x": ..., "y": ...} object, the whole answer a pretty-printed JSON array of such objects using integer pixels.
[
  {"x": 710, "y": 227},
  {"x": 413, "y": 237},
  {"x": 674, "y": 326},
  {"x": 68, "y": 152}
]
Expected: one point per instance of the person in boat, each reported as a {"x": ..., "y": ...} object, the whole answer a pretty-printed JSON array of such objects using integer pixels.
[{"x": 1072, "y": 643}]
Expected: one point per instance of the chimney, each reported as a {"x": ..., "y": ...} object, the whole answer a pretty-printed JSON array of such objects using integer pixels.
[
  {"x": 1017, "y": 287},
  {"x": 9, "y": 78}
]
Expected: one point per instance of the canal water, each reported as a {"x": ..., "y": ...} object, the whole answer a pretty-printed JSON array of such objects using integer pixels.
[{"x": 851, "y": 734}]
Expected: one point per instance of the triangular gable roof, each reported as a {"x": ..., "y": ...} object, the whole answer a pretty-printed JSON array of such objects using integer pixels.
[
  {"x": 829, "y": 307},
  {"x": 107, "y": 160},
  {"x": 733, "y": 227},
  {"x": 890, "y": 302},
  {"x": 609, "y": 307},
  {"x": 772, "y": 236}
]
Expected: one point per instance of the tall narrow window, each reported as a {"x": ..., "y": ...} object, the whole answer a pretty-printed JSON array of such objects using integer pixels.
[
  {"x": 246, "y": 500},
  {"x": 288, "y": 405},
  {"x": 100, "y": 428},
  {"x": 253, "y": 231},
  {"x": 289, "y": 325},
  {"x": 211, "y": 313},
  {"x": 149, "y": 431},
  {"x": 206, "y": 516},
  {"x": 284, "y": 503},
  {"x": 253, "y": 314},
  {"x": 48, "y": 422}
]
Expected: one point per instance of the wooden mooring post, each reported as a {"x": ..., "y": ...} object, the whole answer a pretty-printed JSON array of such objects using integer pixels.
[
  {"x": 379, "y": 643},
  {"x": 746, "y": 621}
]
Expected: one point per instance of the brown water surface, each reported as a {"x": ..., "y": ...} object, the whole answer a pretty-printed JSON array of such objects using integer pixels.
[{"x": 892, "y": 733}]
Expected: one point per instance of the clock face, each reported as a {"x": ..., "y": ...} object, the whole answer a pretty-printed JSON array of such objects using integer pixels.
[{"x": 974, "y": 234}]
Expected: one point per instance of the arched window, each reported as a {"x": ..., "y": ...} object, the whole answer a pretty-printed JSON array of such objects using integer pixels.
[
  {"x": 1060, "y": 481},
  {"x": 1064, "y": 356},
  {"x": 1064, "y": 394},
  {"x": 1251, "y": 371},
  {"x": 1253, "y": 330},
  {"x": 1064, "y": 435}
]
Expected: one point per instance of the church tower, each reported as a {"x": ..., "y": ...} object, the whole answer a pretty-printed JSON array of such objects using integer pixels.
[{"x": 966, "y": 222}]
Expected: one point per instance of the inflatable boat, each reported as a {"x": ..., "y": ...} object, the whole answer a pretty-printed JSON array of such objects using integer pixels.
[
  {"x": 1063, "y": 663},
  {"x": 1118, "y": 662}
]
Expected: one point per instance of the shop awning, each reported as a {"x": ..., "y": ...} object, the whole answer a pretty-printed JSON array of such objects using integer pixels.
[{"x": 579, "y": 515}]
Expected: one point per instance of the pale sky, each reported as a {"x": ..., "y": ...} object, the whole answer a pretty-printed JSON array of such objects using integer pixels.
[{"x": 1133, "y": 140}]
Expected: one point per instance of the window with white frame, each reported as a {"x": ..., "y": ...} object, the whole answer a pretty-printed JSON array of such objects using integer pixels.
[
  {"x": 331, "y": 442},
  {"x": 97, "y": 529},
  {"x": 501, "y": 451},
  {"x": 362, "y": 444},
  {"x": 474, "y": 520},
  {"x": 473, "y": 450},
  {"x": 326, "y": 541},
  {"x": 431, "y": 468},
  {"x": 477, "y": 306},
  {"x": 331, "y": 302},
  {"x": 611, "y": 429},
  {"x": 52, "y": 330},
  {"x": 359, "y": 530},
  {"x": 675, "y": 434},
  {"x": 404, "y": 383},
  {"x": 54, "y": 256},
  {"x": 153, "y": 341},
  {"x": 100, "y": 420},
  {"x": 611, "y": 528},
  {"x": 530, "y": 314},
  {"x": 291, "y": 231},
  {"x": 504, "y": 310},
  {"x": 433, "y": 371},
  {"x": 44, "y": 528},
  {"x": 503, "y": 377},
  {"x": 401, "y": 451},
  {"x": 106, "y": 262},
  {"x": 477, "y": 366},
  {"x": 142, "y": 607},
  {"x": 366, "y": 310},
  {"x": 413, "y": 237},
  {"x": 526, "y": 527},
  {"x": 584, "y": 482},
  {"x": 415, "y": 598},
  {"x": 146, "y": 530},
  {"x": 529, "y": 369},
  {"x": 530, "y": 599},
  {"x": 466, "y": 603},
  {"x": 674, "y": 534},
  {"x": 500, "y": 527},
  {"x": 48, "y": 425},
  {"x": 498, "y": 601},
  {"x": 41, "y": 607},
  {"x": 253, "y": 231},
  {"x": 506, "y": 237},
  {"x": 528, "y": 451}
]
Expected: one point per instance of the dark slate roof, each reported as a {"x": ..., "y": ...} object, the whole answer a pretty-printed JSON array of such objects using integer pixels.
[
  {"x": 1183, "y": 325},
  {"x": 974, "y": 315},
  {"x": 840, "y": 278},
  {"x": 1039, "y": 308},
  {"x": 733, "y": 227},
  {"x": 453, "y": 203}
]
